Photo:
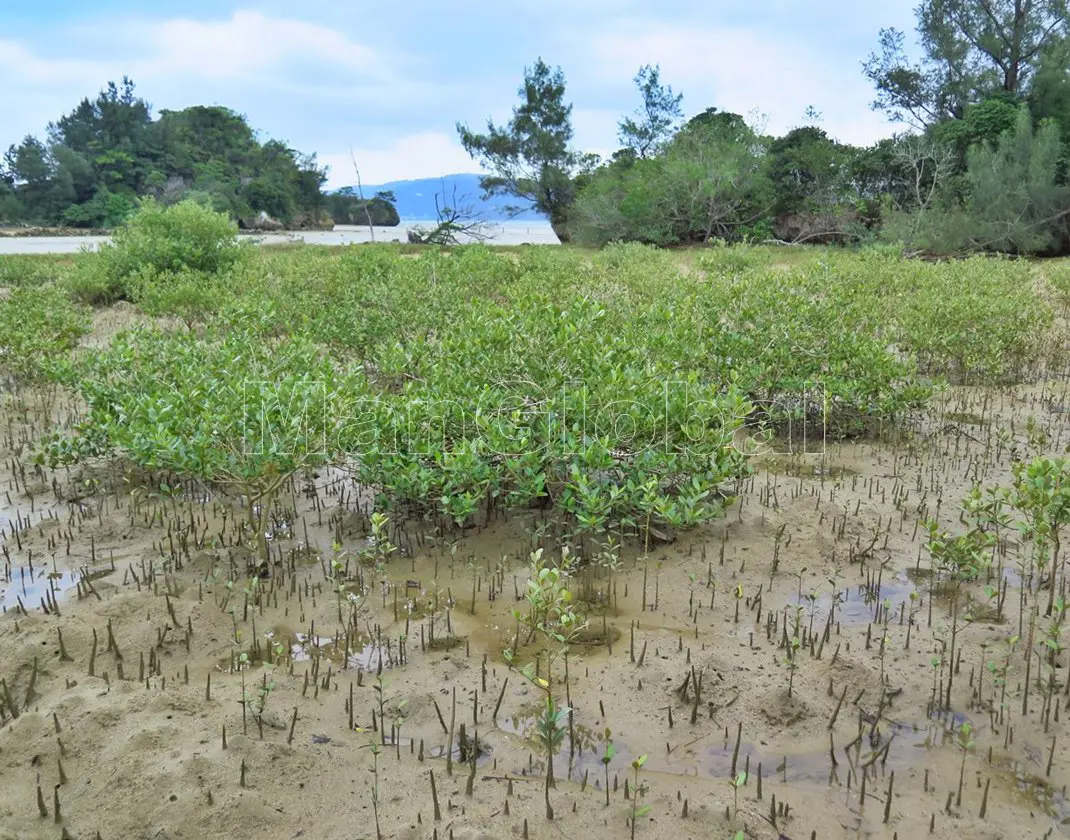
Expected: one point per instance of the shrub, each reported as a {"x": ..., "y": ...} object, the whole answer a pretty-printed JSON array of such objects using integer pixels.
[
  {"x": 975, "y": 320},
  {"x": 91, "y": 284},
  {"x": 190, "y": 296},
  {"x": 227, "y": 408},
  {"x": 184, "y": 237},
  {"x": 31, "y": 269},
  {"x": 1058, "y": 277},
  {"x": 38, "y": 326}
]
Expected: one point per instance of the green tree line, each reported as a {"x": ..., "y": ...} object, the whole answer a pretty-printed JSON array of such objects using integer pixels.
[
  {"x": 99, "y": 159},
  {"x": 980, "y": 163}
]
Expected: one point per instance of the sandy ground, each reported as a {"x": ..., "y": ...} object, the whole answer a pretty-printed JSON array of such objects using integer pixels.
[{"x": 146, "y": 736}]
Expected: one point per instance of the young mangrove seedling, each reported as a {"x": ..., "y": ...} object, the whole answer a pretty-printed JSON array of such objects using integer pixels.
[
  {"x": 551, "y": 615},
  {"x": 962, "y": 558},
  {"x": 965, "y": 744},
  {"x": 885, "y": 640},
  {"x": 1041, "y": 493},
  {"x": 792, "y": 652},
  {"x": 374, "y": 770},
  {"x": 1050, "y": 647},
  {"x": 936, "y": 663},
  {"x": 258, "y": 703},
  {"x": 607, "y": 757},
  {"x": 998, "y": 668},
  {"x": 638, "y": 811},
  {"x": 379, "y": 546},
  {"x": 739, "y": 781}
]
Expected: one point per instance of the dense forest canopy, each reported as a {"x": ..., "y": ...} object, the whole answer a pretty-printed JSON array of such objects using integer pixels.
[
  {"x": 980, "y": 161},
  {"x": 109, "y": 151}
]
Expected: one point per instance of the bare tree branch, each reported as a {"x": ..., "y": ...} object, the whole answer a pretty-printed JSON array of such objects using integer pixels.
[
  {"x": 456, "y": 223},
  {"x": 360, "y": 192}
]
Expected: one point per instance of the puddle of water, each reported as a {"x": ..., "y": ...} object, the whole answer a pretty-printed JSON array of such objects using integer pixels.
[
  {"x": 25, "y": 515},
  {"x": 304, "y": 648},
  {"x": 858, "y": 605},
  {"x": 31, "y": 589},
  {"x": 572, "y": 760},
  {"x": 709, "y": 754}
]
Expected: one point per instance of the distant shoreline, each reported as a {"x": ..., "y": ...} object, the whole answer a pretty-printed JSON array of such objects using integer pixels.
[
  {"x": 32, "y": 232},
  {"x": 513, "y": 232}
]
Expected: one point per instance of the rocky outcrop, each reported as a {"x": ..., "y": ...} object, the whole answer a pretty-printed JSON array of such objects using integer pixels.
[
  {"x": 349, "y": 210},
  {"x": 262, "y": 222},
  {"x": 309, "y": 222}
]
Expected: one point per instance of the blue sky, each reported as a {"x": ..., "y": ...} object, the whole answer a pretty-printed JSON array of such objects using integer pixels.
[{"x": 390, "y": 79}]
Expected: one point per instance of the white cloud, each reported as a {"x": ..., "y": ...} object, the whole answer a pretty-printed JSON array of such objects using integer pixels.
[
  {"x": 261, "y": 65},
  {"x": 36, "y": 90},
  {"x": 424, "y": 155},
  {"x": 739, "y": 69},
  {"x": 249, "y": 44},
  {"x": 20, "y": 64},
  {"x": 246, "y": 46}
]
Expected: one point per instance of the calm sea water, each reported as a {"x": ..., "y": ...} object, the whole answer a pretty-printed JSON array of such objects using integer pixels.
[{"x": 514, "y": 232}]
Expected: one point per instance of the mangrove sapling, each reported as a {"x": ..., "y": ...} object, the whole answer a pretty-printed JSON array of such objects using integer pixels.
[
  {"x": 936, "y": 663},
  {"x": 792, "y": 649},
  {"x": 355, "y": 602},
  {"x": 1052, "y": 640},
  {"x": 380, "y": 686},
  {"x": 885, "y": 641},
  {"x": 965, "y": 743},
  {"x": 1041, "y": 493},
  {"x": 962, "y": 558},
  {"x": 607, "y": 757},
  {"x": 380, "y": 548},
  {"x": 811, "y": 599},
  {"x": 998, "y": 668},
  {"x": 737, "y": 782},
  {"x": 400, "y": 707},
  {"x": 608, "y": 559},
  {"x": 915, "y": 606},
  {"x": 550, "y": 729},
  {"x": 399, "y": 721},
  {"x": 1033, "y": 613},
  {"x": 791, "y": 661},
  {"x": 638, "y": 811},
  {"x": 1050, "y": 648},
  {"x": 258, "y": 703},
  {"x": 338, "y": 576},
  {"x": 988, "y": 509},
  {"x": 375, "y": 787},
  {"x": 776, "y": 552},
  {"x": 550, "y": 615}
]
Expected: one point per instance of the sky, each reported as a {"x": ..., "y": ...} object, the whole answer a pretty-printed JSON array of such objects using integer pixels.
[{"x": 386, "y": 82}]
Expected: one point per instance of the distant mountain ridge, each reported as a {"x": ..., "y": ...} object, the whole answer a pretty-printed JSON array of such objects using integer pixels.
[{"x": 416, "y": 199}]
